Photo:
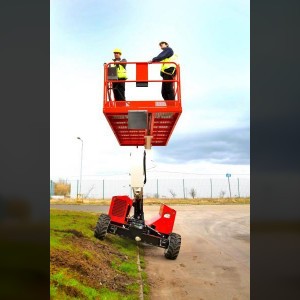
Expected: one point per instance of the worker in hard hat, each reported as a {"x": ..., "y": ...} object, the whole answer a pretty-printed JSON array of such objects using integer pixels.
[
  {"x": 119, "y": 87},
  {"x": 167, "y": 71}
]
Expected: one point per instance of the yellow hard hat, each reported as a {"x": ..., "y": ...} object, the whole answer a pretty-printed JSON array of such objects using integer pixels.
[{"x": 117, "y": 50}]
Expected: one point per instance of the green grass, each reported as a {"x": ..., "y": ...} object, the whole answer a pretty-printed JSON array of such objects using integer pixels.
[
  {"x": 146, "y": 287},
  {"x": 66, "y": 221},
  {"x": 129, "y": 268},
  {"x": 77, "y": 256},
  {"x": 127, "y": 246},
  {"x": 64, "y": 284}
]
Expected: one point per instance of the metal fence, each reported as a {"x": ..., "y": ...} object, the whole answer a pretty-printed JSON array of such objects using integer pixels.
[{"x": 161, "y": 188}]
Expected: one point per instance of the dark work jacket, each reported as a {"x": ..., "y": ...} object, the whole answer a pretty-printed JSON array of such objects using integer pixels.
[
  {"x": 120, "y": 60},
  {"x": 166, "y": 53}
]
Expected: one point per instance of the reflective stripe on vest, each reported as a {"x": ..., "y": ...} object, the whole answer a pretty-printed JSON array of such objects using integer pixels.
[
  {"x": 173, "y": 58},
  {"x": 121, "y": 71}
]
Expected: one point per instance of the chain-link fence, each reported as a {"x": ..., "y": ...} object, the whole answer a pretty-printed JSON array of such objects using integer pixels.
[{"x": 158, "y": 188}]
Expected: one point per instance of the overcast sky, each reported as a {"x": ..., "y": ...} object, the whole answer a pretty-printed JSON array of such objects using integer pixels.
[{"x": 212, "y": 40}]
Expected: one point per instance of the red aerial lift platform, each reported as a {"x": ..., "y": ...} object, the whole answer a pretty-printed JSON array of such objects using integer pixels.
[
  {"x": 140, "y": 123},
  {"x": 162, "y": 115}
]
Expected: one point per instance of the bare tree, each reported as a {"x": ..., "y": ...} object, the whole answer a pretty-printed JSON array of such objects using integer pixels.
[
  {"x": 87, "y": 194},
  {"x": 173, "y": 194},
  {"x": 222, "y": 194},
  {"x": 193, "y": 193}
]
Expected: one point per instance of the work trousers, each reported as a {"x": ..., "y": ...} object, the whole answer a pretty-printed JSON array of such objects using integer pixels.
[
  {"x": 119, "y": 90},
  {"x": 167, "y": 88}
]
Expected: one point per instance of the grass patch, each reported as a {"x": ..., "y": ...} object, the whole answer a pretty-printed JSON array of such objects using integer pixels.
[
  {"x": 129, "y": 268},
  {"x": 66, "y": 287},
  {"x": 198, "y": 201},
  {"x": 82, "y": 267},
  {"x": 146, "y": 287},
  {"x": 168, "y": 201}
]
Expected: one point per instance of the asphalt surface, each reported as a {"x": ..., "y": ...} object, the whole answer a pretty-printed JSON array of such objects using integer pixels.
[{"x": 214, "y": 259}]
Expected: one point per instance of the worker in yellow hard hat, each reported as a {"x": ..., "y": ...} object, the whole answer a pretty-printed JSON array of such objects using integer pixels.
[
  {"x": 167, "y": 71},
  {"x": 119, "y": 87}
]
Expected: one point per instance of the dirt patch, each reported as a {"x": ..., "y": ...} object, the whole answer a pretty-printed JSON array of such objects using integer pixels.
[
  {"x": 91, "y": 264},
  {"x": 73, "y": 292},
  {"x": 72, "y": 231},
  {"x": 242, "y": 237}
]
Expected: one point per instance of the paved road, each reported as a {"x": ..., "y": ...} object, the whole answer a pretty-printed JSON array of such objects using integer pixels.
[
  {"x": 81, "y": 207},
  {"x": 214, "y": 260}
]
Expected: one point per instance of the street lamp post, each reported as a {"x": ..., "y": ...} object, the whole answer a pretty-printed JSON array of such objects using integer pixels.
[
  {"x": 229, "y": 175},
  {"x": 80, "y": 165}
]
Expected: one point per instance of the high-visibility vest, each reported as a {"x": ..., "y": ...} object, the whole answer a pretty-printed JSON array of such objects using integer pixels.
[
  {"x": 165, "y": 66},
  {"x": 121, "y": 71}
]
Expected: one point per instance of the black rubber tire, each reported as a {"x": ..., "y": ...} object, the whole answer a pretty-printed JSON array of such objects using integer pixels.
[
  {"x": 174, "y": 246},
  {"x": 102, "y": 226}
]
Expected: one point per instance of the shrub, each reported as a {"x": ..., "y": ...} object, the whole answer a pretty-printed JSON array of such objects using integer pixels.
[{"x": 62, "y": 188}]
